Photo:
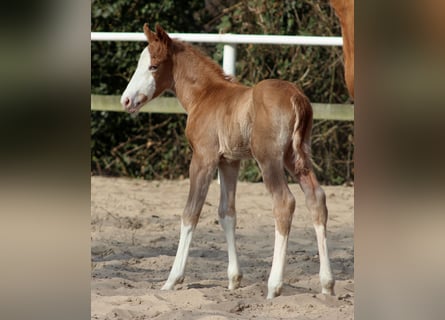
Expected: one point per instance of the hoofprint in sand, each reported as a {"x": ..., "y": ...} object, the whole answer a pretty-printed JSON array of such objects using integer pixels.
[{"x": 135, "y": 232}]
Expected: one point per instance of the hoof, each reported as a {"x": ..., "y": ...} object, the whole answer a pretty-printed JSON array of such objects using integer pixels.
[
  {"x": 273, "y": 292},
  {"x": 167, "y": 286},
  {"x": 328, "y": 291},
  {"x": 235, "y": 282},
  {"x": 328, "y": 288}
]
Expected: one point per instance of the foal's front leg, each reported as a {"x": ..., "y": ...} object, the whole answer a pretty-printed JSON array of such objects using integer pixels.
[
  {"x": 201, "y": 173},
  {"x": 227, "y": 218}
]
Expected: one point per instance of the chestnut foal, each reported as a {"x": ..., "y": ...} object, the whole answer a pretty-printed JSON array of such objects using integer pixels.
[{"x": 228, "y": 122}]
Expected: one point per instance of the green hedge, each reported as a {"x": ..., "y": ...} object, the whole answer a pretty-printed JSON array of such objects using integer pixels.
[{"x": 153, "y": 146}]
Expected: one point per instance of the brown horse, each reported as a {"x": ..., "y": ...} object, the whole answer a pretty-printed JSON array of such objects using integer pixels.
[
  {"x": 344, "y": 9},
  {"x": 228, "y": 122}
]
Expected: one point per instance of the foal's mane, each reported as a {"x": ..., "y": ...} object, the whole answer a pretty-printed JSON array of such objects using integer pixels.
[{"x": 206, "y": 64}]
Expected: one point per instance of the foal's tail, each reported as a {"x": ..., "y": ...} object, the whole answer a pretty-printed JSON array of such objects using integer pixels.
[{"x": 301, "y": 143}]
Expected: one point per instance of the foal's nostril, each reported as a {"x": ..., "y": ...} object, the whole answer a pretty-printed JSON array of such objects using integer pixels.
[{"x": 127, "y": 102}]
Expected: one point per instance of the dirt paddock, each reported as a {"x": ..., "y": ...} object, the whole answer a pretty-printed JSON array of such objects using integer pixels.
[{"x": 134, "y": 235}]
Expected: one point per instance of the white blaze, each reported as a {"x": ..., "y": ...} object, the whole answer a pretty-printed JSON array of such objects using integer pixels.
[{"x": 141, "y": 87}]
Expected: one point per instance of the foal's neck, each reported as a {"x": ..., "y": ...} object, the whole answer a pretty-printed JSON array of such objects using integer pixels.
[{"x": 195, "y": 75}]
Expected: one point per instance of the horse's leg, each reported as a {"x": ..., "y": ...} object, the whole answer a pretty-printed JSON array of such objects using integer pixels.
[
  {"x": 316, "y": 203},
  {"x": 283, "y": 209},
  {"x": 227, "y": 217},
  {"x": 201, "y": 173}
]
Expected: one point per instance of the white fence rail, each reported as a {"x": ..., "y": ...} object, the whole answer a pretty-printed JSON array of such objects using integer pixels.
[{"x": 229, "y": 40}]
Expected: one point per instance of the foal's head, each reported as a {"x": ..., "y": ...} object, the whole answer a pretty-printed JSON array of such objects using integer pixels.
[{"x": 153, "y": 73}]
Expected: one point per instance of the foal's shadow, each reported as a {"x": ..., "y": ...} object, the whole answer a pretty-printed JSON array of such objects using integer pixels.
[
  {"x": 291, "y": 290},
  {"x": 288, "y": 289},
  {"x": 202, "y": 286}
]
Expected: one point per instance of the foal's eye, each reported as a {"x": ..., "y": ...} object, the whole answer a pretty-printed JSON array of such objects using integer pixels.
[{"x": 152, "y": 68}]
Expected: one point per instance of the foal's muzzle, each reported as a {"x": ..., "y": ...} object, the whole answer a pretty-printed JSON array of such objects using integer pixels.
[{"x": 133, "y": 105}]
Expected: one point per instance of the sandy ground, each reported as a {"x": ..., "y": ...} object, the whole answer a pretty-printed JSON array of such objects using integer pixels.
[{"x": 134, "y": 236}]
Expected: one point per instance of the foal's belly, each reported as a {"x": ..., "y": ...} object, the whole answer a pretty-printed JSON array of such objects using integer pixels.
[
  {"x": 234, "y": 133},
  {"x": 236, "y": 153},
  {"x": 235, "y": 145}
]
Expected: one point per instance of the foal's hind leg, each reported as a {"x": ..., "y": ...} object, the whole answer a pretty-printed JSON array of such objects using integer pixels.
[
  {"x": 316, "y": 203},
  {"x": 227, "y": 217},
  {"x": 201, "y": 173},
  {"x": 283, "y": 209}
]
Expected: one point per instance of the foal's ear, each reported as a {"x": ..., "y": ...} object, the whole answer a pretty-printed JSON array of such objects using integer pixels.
[
  {"x": 162, "y": 35},
  {"x": 151, "y": 36}
]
